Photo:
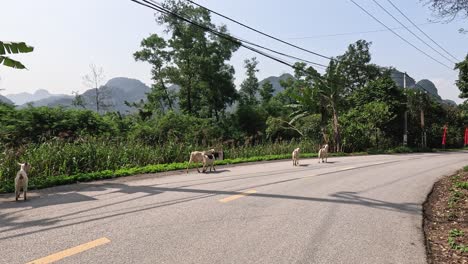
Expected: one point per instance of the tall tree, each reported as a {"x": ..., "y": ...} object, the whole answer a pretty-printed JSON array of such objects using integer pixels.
[
  {"x": 306, "y": 98},
  {"x": 266, "y": 92},
  {"x": 332, "y": 89},
  {"x": 249, "y": 87},
  {"x": 154, "y": 51},
  {"x": 462, "y": 81},
  {"x": 199, "y": 60},
  {"x": 94, "y": 81},
  {"x": 355, "y": 66}
]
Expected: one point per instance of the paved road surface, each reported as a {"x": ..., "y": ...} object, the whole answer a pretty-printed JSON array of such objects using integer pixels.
[{"x": 363, "y": 209}]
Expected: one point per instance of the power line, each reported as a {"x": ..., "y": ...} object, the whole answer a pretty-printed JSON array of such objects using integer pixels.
[
  {"x": 153, "y": 5},
  {"x": 238, "y": 41},
  {"x": 280, "y": 53},
  {"x": 409, "y": 43},
  {"x": 353, "y": 33},
  {"x": 422, "y": 30},
  {"x": 260, "y": 32},
  {"x": 397, "y": 20}
]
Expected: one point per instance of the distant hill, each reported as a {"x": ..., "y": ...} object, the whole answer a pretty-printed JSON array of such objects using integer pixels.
[
  {"x": 53, "y": 100},
  {"x": 275, "y": 81},
  {"x": 113, "y": 96},
  {"x": 3, "y": 99},
  {"x": 422, "y": 85},
  {"x": 23, "y": 98}
]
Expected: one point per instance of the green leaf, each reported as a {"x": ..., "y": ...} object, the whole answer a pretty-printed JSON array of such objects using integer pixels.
[
  {"x": 14, "y": 48},
  {"x": 11, "y": 63}
]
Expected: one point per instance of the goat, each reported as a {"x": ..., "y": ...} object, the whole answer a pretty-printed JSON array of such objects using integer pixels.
[
  {"x": 209, "y": 159},
  {"x": 323, "y": 153},
  {"x": 295, "y": 156},
  {"x": 21, "y": 180},
  {"x": 197, "y": 157}
]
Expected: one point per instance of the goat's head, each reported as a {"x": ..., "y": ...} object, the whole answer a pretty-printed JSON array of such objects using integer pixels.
[{"x": 25, "y": 166}]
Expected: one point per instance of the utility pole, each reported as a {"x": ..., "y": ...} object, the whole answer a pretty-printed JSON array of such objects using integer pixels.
[
  {"x": 423, "y": 126},
  {"x": 405, "y": 133}
]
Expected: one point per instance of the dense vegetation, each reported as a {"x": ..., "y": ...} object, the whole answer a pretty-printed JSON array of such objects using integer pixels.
[{"x": 354, "y": 106}]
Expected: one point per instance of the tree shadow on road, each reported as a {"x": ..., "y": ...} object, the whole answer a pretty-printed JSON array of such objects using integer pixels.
[{"x": 344, "y": 197}]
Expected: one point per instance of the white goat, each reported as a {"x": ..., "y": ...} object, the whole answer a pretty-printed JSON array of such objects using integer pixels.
[
  {"x": 21, "y": 180},
  {"x": 295, "y": 156},
  {"x": 198, "y": 156},
  {"x": 323, "y": 153}
]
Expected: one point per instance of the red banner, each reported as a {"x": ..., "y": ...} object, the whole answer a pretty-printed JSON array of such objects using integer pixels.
[
  {"x": 466, "y": 136},
  {"x": 444, "y": 136}
]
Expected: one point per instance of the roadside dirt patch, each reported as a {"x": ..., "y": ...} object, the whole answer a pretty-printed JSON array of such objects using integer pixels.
[{"x": 446, "y": 220}]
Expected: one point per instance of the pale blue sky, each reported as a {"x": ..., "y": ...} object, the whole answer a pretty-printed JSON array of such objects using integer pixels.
[{"x": 69, "y": 35}]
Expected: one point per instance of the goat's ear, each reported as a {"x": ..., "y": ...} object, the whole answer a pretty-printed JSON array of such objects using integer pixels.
[{"x": 21, "y": 164}]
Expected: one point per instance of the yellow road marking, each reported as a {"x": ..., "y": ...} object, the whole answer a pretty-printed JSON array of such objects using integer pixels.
[
  {"x": 237, "y": 196},
  {"x": 71, "y": 251}
]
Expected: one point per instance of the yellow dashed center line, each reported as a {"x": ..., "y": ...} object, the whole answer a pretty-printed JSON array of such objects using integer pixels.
[
  {"x": 71, "y": 251},
  {"x": 237, "y": 196}
]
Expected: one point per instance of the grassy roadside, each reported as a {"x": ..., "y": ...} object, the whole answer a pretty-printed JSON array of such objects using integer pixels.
[
  {"x": 446, "y": 220},
  {"x": 44, "y": 182}
]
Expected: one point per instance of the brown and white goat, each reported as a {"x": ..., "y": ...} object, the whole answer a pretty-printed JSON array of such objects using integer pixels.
[
  {"x": 209, "y": 159},
  {"x": 199, "y": 157}
]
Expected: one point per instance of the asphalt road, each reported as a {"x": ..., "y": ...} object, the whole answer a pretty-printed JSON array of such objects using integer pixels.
[{"x": 365, "y": 209}]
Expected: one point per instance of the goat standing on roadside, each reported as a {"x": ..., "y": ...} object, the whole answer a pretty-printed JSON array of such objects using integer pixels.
[
  {"x": 21, "y": 180},
  {"x": 209, "y": 159},
  {"x": 295, "y": 156},
  {"x": 323, "y": 153},
  {"x": 197, "y": 157}
]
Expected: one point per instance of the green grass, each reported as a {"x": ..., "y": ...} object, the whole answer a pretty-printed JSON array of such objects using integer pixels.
[
  {"x": 57, "y": 163},
  {"x": 454, "y": 233},
  {"x": 44, "y": 182},
  {"x": 462, "y": 185}
]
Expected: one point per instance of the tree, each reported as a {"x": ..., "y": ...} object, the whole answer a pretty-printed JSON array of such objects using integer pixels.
[
  {"x": 449, "y": 9},
  {"x": 331, "y": 88},
  {"x": 154, "y": 52},
  {"x": 419, "y": 103},
  {"x": 306, "y": 99},
  {"x": 94, "y": 80},
  {"x": 355, "y": 66},
  {"x": 199, "y": 61},
  {"x": 364, "y": 123},
  {"x": 266, "y": 92},
  {"x": 462, "y": 81},
  {"x": 78, "y": 100},
  {"x": 385, "y": 90},
  {"x": 249, "y": 87},
  {"x": 13, "y": 48}
]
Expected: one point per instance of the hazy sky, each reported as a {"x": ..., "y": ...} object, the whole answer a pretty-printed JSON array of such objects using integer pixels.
[{"x": 69, "y": 35}]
